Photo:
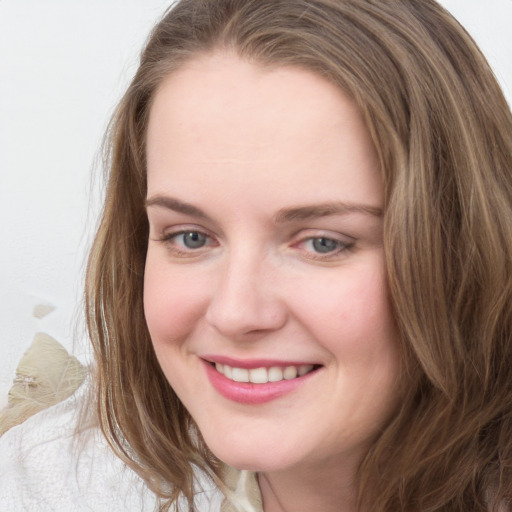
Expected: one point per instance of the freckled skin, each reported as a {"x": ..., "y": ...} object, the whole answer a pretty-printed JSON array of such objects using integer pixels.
[{"x": 241, "y": 142}]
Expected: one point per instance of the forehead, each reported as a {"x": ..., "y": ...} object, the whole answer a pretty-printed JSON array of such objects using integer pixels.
[{"x": 223, "y": 116}]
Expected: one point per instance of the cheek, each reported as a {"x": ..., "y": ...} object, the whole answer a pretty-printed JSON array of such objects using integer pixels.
[
  {"x": 351, "y": 314},
  {"x": 173, "y": 301}
]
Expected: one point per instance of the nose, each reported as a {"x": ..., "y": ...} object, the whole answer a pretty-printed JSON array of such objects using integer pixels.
[{"x": 246, "y": 299}]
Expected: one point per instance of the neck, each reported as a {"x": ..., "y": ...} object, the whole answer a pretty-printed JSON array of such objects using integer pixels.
[{"x": 302, "y": 491}]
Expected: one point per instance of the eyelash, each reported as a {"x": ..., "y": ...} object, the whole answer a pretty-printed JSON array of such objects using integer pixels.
[
  {"x": 341, "y": 247},
  {"x": 169, "y": 239}
]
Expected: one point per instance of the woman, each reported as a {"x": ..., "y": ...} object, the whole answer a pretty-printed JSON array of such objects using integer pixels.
[{"x": 302, "y": 268}]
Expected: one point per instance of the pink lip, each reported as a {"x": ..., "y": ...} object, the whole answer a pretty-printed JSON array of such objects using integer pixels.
[{"x": 249, "y": 393}]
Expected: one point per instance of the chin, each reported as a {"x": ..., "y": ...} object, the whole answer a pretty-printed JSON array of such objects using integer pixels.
[
  {"x": 252, "y": 454},
  {"x": 257, "y": 463}
]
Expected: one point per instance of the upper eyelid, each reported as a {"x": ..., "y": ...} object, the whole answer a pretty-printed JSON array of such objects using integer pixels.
[
  {"x": 316, "y": 233},
  {"x": 343, "y": 243},
  {"x": 164, "y": 229},
  {"x": 160, "y": 219},
  {"x": 298, "y": 235},
  {"x": 309, "y": 233},
  {"x": 162, "y": 224},
  {"x": 172, "y": 234}
]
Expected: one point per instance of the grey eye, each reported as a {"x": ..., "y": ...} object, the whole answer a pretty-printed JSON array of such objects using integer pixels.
[
  {"x": 194, "y": 239},
  {"x": 325, "y": 245}
]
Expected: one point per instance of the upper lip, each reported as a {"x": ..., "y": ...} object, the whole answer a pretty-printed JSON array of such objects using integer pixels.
[{"x": 254, "y": 363}]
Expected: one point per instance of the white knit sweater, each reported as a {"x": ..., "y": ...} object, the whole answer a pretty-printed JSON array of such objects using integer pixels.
[{"x": 45, "y": 466}]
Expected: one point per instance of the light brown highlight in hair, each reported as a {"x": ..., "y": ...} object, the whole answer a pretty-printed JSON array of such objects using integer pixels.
[{"x": 443, "y": 132}]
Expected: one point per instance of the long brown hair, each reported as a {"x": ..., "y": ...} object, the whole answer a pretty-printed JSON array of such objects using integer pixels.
[{"x": 443, "y": 132}]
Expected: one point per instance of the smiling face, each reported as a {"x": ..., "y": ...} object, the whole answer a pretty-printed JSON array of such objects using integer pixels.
[{"x": 265, "y": 264}]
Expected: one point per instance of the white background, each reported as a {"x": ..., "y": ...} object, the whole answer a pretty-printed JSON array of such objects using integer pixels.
[{"x": 63, "y": 66}]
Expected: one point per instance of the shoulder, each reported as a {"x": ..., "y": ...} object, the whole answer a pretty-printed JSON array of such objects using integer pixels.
[
  {"x": 47, "y": 463},
  {"x": 46, "y": 466}
]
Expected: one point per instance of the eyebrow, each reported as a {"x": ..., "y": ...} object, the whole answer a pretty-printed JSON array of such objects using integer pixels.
[
  {"x": 324, "y": 210},
  {"x": 178, "y": 206},
  {"x": 283, "y": 216}
]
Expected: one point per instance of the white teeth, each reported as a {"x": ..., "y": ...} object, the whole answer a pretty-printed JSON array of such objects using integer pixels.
[
  {"x": 240, "y": 375},
  {"x": 228, "y": 371},
  {"x": 258, "y": 376},
  {"x": 263, "y": 375},
  {"x": 290, "y": 372},
  {"x": 305, "y": 368},
  {"x": 275, "y": 374}
]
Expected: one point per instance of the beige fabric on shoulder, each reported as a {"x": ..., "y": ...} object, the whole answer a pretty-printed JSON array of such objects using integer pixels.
[
  {"x": 245, "y": 493},
  {"x": 46, "y": 375}
]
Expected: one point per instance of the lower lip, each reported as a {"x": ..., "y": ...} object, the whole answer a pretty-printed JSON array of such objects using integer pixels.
[{"x": 249, "y": 393}]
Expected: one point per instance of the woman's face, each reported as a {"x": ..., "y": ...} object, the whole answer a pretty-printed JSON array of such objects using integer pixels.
[{"x": 265, "y": 264}]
